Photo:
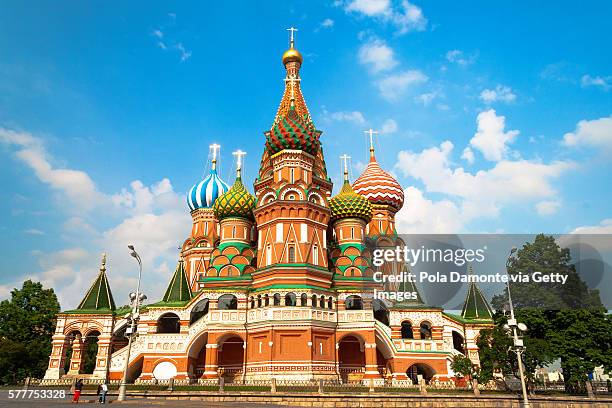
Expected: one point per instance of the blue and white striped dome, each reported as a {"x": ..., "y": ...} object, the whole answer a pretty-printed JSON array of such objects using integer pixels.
[{"x": 204, "y": 193}]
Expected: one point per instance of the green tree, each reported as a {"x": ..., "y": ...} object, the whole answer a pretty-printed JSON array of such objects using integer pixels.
[
  {"x": 565, "y": 321},
  {"x": 27, "y": 322}
]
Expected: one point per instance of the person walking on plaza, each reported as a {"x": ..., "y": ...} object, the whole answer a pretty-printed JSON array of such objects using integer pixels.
[
  {"x": 78, "y": 387},
  {"x": 102, "y": 391}
]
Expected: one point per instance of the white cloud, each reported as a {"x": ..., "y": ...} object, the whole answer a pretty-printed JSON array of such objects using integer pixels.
[
  {"x": 422, "y": 216},
  {"x": 394, "y": 86},
  {"x": 77, "y": 185},
  {"x": 427, "y": 98},
  {"x": 468, "y": 155},
  {"x": 184, "y": 53},
  {"x": 605, "y": 227},
  {"x": 483, "y": 193},
  {"x": 354, "y": 117},
  {"x": 389, "y": 126},
  {"x": 327, "y": 23},
  {"x": 604, "y": 83},
  {"x": 405, "y": 17},
  {"x": 458, "y": 57},
  {"x": 592, "y": 133},
  {"x": 154, "y": 218},
  {"x": 377, "y": 55},
  {"x": 491, "y": 139},
  {"x": 499, "y": 94},
  {"x": 34, "y": 231},
  {"x": 548, "y": 207}
]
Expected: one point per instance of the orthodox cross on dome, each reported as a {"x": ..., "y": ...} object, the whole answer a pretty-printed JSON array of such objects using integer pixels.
[
  {"x": 371, "y": 133},
  {"x": 292, "y": 31},
  {"x": 214, "y": 148},
  {"x": 345, "y": 158},
  {"x": 239, "y": 155}
]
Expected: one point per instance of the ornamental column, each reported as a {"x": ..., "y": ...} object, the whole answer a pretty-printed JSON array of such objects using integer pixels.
[
  {"x": 211, "y": 359},
  {"x": 102, "y": 358},
  {"x": 371, "y": 365},
  {"x": 57, "y": 359},
  {"x": 76, "y": 362}
]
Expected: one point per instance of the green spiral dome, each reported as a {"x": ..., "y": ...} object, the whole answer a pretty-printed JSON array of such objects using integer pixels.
[
  {"x": 349, "y": 204},
  {"x": 236, "y": 202}
]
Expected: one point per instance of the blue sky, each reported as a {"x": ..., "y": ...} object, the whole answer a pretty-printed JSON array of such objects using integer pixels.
[{"x": 495, "y": 117}]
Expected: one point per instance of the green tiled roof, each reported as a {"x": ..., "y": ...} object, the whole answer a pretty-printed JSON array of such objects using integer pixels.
[
  {"x": 475, "y": 306},
  {"x": 99, "y": 296},
  {"x": 178, "y": 289}
]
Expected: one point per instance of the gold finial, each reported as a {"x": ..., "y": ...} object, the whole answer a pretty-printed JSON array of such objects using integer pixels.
[
  {"x": 292, "y": 55},
  {"x": 103, "y": 263},
  {"x": 239, "y": 155},
  {"x": 371, "y": 132},
  {"x": 346, "y": 159},
  {"x": 215, "y": 149}
]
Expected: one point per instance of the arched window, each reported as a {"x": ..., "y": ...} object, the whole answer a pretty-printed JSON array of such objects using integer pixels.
[
  {"x": 276, "y": 299},
  {"x": 168, "y": 323},
  {"x": 313, "y": 301},
  {"x": 315, "y": 254},
  {"x": 322, "y": 302},
  {"x": 227, "y": 302},
  {"x": 258, "y": 300},
  {"x": 303, "y": 300},
  {"x": 291, "y": 254},
  {"x": 381, "y": 313},
  {"x": 407, "y": 330},
  {"x": 353, "y": 302},
  {"x": 252, "y": 302},
  {"x": 458, "y": 342},
  {"x": 330, "y": 303},
  {"x": 425, "y": 331},
  {"x": 290, "y": 299},
  {"x": 352, "y": 233},
  {"x": 266, "y": 300},
  {"x": 199, "y": 310},
  {"x": 234, "y": 231}
]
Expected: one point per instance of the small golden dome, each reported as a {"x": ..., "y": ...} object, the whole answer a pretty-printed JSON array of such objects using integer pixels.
[{"x": 292, "y": 55}]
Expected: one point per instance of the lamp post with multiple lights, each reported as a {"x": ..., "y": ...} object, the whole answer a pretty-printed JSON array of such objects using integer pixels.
[
  {"x": 136, "y": 299},
  {"x": 514, "y": 327}
]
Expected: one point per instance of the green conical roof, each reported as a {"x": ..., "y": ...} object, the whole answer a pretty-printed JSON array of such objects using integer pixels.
[
  {"x": 178, "y": 289},
  {"x": 348, "y": 203},
  {"x": 476, "y": 305},
  {"x": 408, "y": 286},
  {"x": 236, "y": 202},
  {"x": 99, "y": 296}
]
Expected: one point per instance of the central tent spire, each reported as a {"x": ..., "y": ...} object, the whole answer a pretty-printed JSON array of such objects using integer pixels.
[{"x": 293, "y": 127}]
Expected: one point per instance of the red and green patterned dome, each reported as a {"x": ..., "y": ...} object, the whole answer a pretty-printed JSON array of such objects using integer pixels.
[
  {"x": 349, "y": 204},
  {"x": 294, "y": 132},
  {"x": 236, "y": 202}
]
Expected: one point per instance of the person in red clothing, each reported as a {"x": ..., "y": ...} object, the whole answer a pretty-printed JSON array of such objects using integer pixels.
[{"x": 78, "y": 387}]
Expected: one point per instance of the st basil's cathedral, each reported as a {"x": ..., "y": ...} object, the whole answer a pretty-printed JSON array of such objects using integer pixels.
[{"x": 276, "y": 284}]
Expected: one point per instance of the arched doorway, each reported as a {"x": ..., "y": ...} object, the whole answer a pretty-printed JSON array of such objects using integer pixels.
[
  {"x": 351, "y": 358},
  {"x": 231, "y": 358},
  {"x": 90, "y": 352},
  {"x": 197, "y": 356},
  {"x": 168, "y": 323},
  {"x": 419, "y": 370}
]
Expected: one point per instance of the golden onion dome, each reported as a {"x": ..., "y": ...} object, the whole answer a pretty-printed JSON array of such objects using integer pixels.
[{"x": 292, "y": 55}]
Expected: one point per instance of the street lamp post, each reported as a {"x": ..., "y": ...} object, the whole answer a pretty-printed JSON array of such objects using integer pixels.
[
  {"x": 519, "y": 346},
  {"x": 135, "y": 299}
]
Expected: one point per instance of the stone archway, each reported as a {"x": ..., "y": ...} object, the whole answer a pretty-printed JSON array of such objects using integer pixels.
[
  {"x": 196, "y": 355},
  {"x": 351, "y": 358},
  {"x": 415, "y": 371},
  {"x": 231, "y": 358},
  {"x": 90, "y": 352}
]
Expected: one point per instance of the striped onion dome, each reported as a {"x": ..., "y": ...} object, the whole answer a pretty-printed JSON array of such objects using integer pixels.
[
  {"x": 348, "y": 204},
  {"x": 378, "y": 186},
  {"x": 236, "y": 202},
  {"x": 204, "y": 193}
]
